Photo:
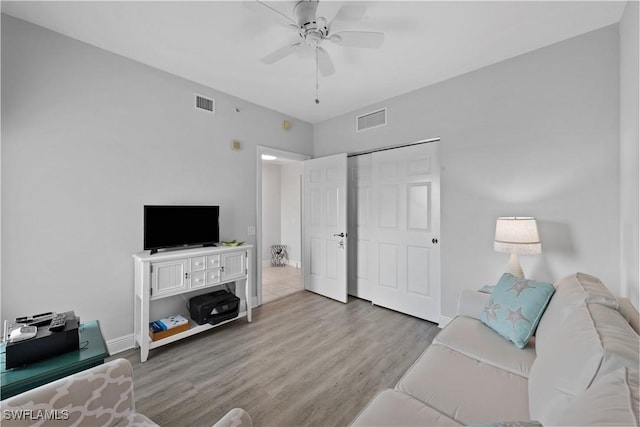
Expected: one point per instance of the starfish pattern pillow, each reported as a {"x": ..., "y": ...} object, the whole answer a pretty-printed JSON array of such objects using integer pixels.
[{"x": 515, "y": 307}]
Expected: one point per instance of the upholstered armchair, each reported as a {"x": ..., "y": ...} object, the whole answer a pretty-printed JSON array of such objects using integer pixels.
[{"x": 100, "y": 396}]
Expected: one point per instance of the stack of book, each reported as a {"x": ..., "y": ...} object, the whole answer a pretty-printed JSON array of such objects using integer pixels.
[{"x": 164, "y": 328}]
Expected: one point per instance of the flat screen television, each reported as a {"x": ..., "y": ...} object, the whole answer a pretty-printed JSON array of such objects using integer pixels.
[{"x": 172, "y": 226}]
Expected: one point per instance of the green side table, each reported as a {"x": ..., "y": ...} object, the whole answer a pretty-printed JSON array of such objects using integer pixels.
[{"x": 93, "y": 351}]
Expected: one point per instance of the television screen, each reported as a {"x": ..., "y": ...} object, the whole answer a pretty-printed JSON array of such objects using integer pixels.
[{"x": 174, "y": 226}]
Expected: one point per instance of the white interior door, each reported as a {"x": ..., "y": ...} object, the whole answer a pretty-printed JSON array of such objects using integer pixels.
[
  {"x": 395, "y": 229},
  {"x": 361, "y": 253},
  {"x": 325, "y": 226}
]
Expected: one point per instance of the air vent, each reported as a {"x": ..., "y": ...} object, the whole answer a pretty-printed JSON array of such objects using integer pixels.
[
  {"x": 205, "y": 104},
  {"x": 371, "y": 120}
]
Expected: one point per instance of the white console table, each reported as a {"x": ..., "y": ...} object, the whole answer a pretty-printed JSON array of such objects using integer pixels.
[{"x": 178, "y": 275}]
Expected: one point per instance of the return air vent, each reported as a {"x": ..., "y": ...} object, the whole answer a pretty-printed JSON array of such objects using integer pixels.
[
  {"x": 205, "y": 104},
  {"x": 371, "y": 120}
]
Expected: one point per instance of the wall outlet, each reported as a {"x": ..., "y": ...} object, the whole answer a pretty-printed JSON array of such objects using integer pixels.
[{"x": 251, "y": 230}]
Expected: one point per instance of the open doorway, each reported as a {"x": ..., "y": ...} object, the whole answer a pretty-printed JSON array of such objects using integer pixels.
[{"x": 279, "y": 251}]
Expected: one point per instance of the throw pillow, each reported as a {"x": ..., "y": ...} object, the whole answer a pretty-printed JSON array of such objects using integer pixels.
[{"x": 515, "y": 307}]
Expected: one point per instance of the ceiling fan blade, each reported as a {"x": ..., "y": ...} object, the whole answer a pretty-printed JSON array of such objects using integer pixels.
[
  {"x": 367, "y": 39},
  {"x": 280, "y": 53},
  {"x": 264, "y": 9},
  {"x": 325, "y": 64},
  {"x": 350, "y": 12}
]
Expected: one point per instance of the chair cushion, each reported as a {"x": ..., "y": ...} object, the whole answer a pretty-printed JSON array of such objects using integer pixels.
[
  {"x": 464, "y": 388},
  {"x": 611, "y": 400},
  {"x": 476, "y": 340},
  {"x": 392, "y": 408},
  {"x": 237, "y": 417},
  {"x": 136, "y": 420},
  {"x": 515, "y": 307},
  {"x": 102, "y": 395},
  {"x": 593, "y": 341}
]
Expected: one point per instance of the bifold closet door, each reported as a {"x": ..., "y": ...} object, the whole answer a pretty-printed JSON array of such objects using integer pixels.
[{"x": 395, "y": 204}]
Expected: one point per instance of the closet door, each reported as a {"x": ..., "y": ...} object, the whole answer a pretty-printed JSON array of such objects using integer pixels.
[
  {"x": 362, "y": 249},
  {"x": 395, "y": 199},
  {"x": 407, "y": 201}
]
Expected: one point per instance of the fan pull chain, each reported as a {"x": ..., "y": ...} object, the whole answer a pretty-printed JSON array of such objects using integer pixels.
[{"x": 317, "y": 97}]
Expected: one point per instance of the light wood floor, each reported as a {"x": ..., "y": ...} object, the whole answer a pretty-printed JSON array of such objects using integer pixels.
[
  {"x": 278, "y": 282},
  {"x": 305, "y": 360}
]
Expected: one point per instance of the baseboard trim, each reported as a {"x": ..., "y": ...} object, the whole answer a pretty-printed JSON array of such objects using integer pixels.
[
  {"x": 444, "y": 321},
  {"x": 294, "y": 263},
  {"x": 118, "y": 345}
]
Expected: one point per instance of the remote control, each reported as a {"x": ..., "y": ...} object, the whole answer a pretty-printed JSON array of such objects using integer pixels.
[
  {"x": 37, "y": 319},
  {"x": 58, "y": 323}
]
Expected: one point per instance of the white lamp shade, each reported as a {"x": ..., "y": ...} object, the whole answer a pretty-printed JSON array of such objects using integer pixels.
[{"x": 517, "y": 235}]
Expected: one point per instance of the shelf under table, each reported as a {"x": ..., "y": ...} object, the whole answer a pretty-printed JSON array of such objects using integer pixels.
[{"x": 194, "y": 328}]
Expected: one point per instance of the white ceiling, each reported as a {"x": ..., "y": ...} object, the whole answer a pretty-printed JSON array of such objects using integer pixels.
[{"x": 220, "y": 43}]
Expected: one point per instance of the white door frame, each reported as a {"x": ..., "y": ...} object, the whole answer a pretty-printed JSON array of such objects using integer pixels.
[{"x": 260, "y": 150}]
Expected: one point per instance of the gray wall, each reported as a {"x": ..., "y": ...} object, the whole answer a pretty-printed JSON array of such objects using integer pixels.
[
  {"x": 629, "y": 116},
  {"x": 271, "y": 208},
  {"x": 291, "y": 211},
  {"x": 281, "y": 210},
  {"x": 88, "y": 138},
  {"x": 534, "y": 135}
]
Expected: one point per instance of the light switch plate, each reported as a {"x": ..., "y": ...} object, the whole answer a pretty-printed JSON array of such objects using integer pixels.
[{"x": 251, "y": 230}]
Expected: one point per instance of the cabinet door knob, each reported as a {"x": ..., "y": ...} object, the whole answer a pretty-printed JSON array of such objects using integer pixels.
[{"x": 434, "y": 241}]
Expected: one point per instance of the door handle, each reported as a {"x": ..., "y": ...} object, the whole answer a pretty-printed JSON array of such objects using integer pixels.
[
  {"x": 434, "y": 241},
  {"x": 343, "y": 235}
]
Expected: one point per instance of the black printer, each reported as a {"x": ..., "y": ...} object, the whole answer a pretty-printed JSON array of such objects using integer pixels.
[
  {"x": 214, "y": 308},
  {"x": 47, "y": 342}
]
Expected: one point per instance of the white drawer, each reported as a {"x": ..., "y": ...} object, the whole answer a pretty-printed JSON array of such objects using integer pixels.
[
  {"x": 213, "y": 276},
  {"x": 198, "y": 279},
  {"x": 198, "y": 263},
  {"x": 213, "y": 261}
]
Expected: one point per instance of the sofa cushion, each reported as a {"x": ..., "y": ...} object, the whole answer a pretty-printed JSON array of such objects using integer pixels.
[
  {"x": 629, "y": 313},
  {"x": 392, "y": 408},
  {"x": 516, "y": 306},
  {"x": 611, "y": 400},
  {"x": 510, "y": 424},
  {"x": 571, "y": 291},
  {"x": 471, "y": 303},
  {"x": 476, "y": 340},
  {"x": 464, "y": 388},
  {"x": 592, "y": 341}
]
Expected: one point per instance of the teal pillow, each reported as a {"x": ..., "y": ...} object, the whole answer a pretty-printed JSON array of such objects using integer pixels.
[{"x": 515, "y": 307}]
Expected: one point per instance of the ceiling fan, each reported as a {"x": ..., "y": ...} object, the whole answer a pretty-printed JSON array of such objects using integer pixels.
[{"x": 314, "y": 30}]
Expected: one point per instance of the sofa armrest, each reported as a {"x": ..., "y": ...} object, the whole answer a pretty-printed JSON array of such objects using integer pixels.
[
  {"x": 237, "y": 417},
  {"x": 102, "y": 395},
  {"x": 471, "y": 303},
  {"x": 630, "y": 313}
]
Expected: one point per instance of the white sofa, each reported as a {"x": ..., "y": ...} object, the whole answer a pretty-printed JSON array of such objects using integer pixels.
[{"x": 580, "y": 369}]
